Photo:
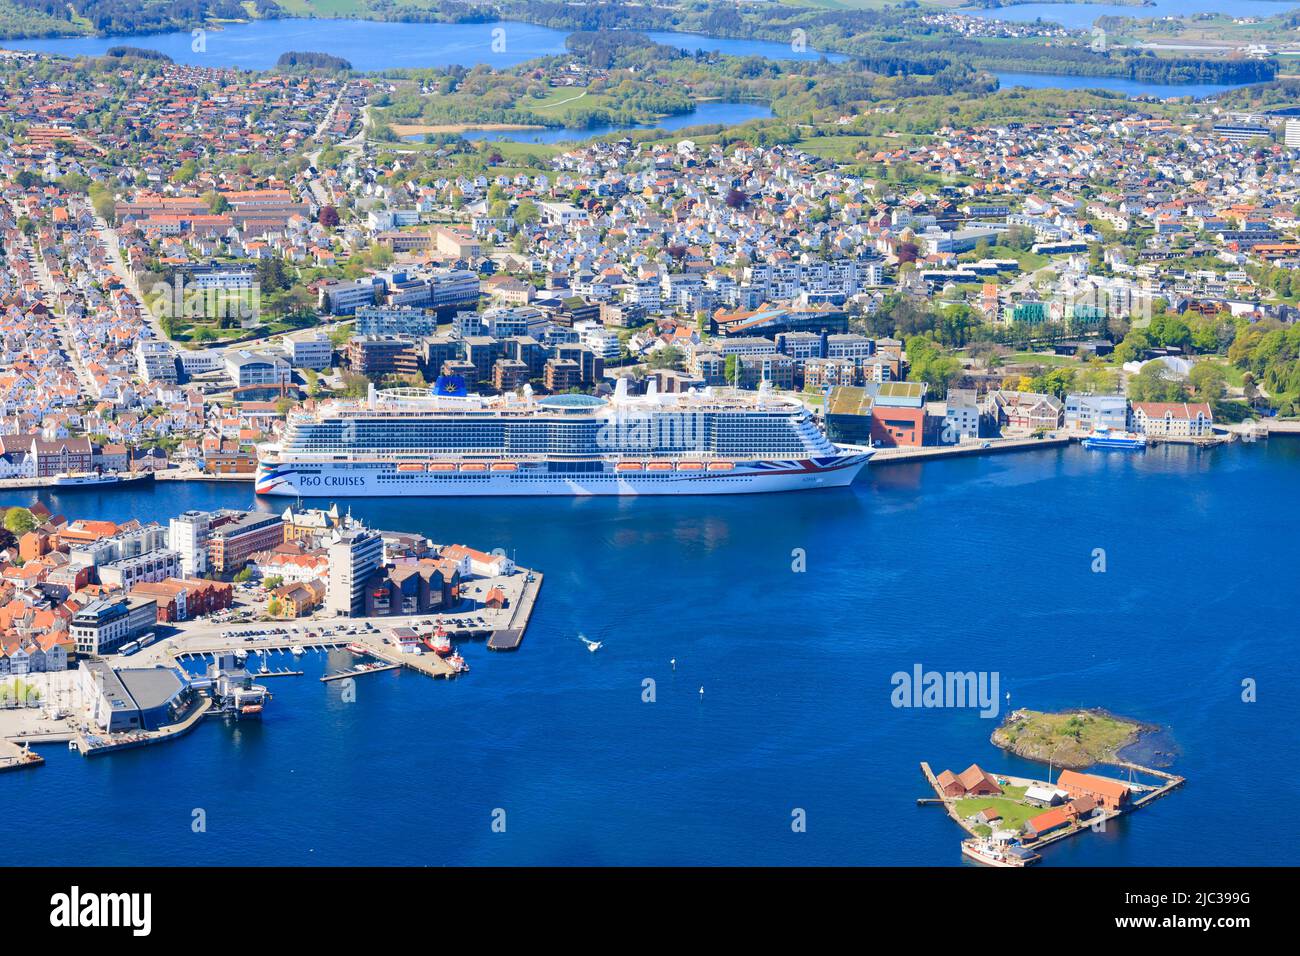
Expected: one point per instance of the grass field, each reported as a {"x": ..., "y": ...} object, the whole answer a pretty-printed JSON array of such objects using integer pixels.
[{"x": 1014, "y": 815}]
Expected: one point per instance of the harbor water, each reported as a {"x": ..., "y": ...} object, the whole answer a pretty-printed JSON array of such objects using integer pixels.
[{"x": 982, "y": 564}]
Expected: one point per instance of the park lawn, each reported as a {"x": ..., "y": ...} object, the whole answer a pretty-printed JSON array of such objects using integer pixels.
[
  {"x": 1014, "y": 814},
  {"x": 1234, "y": 376},
  {"x": 1040, "y": 358},
  {"x": 1029, "y": 261}
]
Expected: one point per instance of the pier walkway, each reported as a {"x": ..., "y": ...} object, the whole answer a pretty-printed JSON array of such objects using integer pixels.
[
  {"x": 95, "y": 745},
  {"x": 989, "y": 446},
  {"x": 14, "y": 757}
]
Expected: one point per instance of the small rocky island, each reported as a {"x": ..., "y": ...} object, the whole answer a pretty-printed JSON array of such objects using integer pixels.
[{"x": 1074, "y": 739}]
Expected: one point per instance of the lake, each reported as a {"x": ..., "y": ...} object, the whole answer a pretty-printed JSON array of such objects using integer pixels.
[
  {"x": 979, "y": 563},
  {"x": 731, "y": 114},
  {"x": 1081, "y": 16},
  {"x": 1116, "y": 84},
  {"x": 373, "y": 45}
]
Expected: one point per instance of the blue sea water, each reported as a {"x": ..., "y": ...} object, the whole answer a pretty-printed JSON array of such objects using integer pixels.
[{"x": 980, "y": 563}]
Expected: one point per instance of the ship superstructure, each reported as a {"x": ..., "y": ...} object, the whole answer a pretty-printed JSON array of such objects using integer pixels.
[{"x": 415, "y": 442}]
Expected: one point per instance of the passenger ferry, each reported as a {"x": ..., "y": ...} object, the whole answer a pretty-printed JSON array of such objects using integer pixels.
[
  {"x": 1104, "y": 437},
  {"x": 416, "y": 442}
]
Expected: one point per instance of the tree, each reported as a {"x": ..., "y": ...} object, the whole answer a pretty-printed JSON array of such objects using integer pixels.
[
  {"x": 329, "y": 217},
  {"x": 928, "y": 364},
  {"x": 244, "y": 574},
  {"x": 18, "y": 521},
  {"x": 667, "y": 357},
  {"x": 1156, "y": 383},
  {"x": 1208, "y": 380}
]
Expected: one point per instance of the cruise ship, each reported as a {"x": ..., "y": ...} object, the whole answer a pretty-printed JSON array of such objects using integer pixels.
[{"x": 417, "y": 442}]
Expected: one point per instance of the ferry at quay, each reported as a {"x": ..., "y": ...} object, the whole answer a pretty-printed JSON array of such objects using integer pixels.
[{"x": 411, "y": 442}]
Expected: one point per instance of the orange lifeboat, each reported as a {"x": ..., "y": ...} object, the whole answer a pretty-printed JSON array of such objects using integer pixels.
[
  {"x": 628, "y": 466},
  {"x": 689, "y": 466},
  {"x": 504, "y": 466},
  {"x": 659, "y": 466},
  {"x": 441, "y": 466},
  {"x": 473, "y": 466},
  {"x": 721, "y": 465},
  {"x": 410, "y": 466}
]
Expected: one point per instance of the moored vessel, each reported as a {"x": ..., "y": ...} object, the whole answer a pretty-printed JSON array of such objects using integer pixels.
[
  {"x": 1103, "y": 437},
  {"x": 416, "y": 442},
  {"x": 998, "y": 854}
]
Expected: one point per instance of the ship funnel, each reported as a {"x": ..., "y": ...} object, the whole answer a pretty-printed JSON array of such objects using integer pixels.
[
  {"x": 370, "y": 396},
  {"x": 651, "y": 387},
  {"x": 620, "y": 389}
]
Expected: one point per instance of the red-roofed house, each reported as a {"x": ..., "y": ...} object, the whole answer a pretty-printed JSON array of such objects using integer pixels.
[{"x": 1172, "y": 419}]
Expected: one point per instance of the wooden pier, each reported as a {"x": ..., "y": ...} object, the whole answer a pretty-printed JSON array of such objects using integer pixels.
[{"x": 359, "y": 672}]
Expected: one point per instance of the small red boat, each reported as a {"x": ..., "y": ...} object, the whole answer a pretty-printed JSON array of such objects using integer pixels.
[
  {"x": 439, "y": 642},
  {"x": 356, "y": 648}
]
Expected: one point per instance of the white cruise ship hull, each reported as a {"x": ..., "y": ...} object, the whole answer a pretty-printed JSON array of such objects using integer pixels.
[{"x": 355, "y": 479}]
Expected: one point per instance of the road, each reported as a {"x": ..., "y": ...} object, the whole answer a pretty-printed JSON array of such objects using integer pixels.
[
  {"x": 46, "y": 280},
  {"x": 108, "y": 236}
]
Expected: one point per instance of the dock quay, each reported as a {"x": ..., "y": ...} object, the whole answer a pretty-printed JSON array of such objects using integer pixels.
[
  {"x": 511, "y": 636},
  {"x": 991, "y": 446},
  {"x": 1143, "y": 794},
  {"x": 14, "y": 757},
  {"x": 97, "y": 745}
]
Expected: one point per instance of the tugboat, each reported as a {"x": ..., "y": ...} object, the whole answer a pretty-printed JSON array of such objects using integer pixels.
[
  {"x": 458, "y": 665},
  {"x": 1104, "y": 438},
  {"x": 439, "y": 642},
  {"x": 998, "y": 854}
]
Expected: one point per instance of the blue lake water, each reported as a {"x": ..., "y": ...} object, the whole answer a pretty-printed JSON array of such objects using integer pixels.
[
  {"x": 372, "y": 45},
  {"x": 731, "y": 114},
  {"x": 1080, "y": 16},
  {"x": 1116, "y": 84},
  {"x": 967, "y": 564}
]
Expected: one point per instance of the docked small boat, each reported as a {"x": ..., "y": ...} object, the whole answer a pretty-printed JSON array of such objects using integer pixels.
[
  {"x": 68, "y": 479},
  {"x": 356, "y": 648},
  {"x": 1103, "y": 437},
  {"x": 994, "y": 854},
  {"x": 297, "y": 650},
  {"x": 458, "y": 665}
]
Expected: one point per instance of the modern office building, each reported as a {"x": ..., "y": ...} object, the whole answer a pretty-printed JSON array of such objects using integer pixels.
[{"x": 354, "y": 555}]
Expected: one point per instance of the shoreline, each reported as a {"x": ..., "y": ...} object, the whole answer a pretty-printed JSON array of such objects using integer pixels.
[
  {"x": 1142, "y": 729},
  {"x": 423, "y": 129}
]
